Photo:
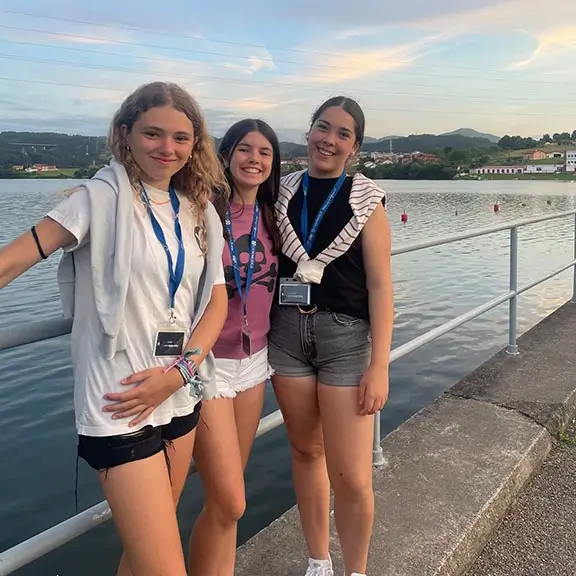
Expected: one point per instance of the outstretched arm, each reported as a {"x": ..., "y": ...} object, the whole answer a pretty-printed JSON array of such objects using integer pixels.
[{"x": 23, "y": 253}]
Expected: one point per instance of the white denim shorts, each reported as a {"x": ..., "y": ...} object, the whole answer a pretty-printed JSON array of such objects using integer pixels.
[{"x": 234, "y": 376}]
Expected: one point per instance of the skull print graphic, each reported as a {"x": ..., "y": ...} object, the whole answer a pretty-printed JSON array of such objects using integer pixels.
[{"x": 264, "y": 274}]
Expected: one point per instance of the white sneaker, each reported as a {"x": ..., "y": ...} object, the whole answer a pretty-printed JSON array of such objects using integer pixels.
[{"x": 316, "y": 568}]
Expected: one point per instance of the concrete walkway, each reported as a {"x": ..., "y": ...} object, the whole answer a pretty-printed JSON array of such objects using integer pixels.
[
  {"x": 537, "y": 537},
  {"x": 455, "y": 468}
]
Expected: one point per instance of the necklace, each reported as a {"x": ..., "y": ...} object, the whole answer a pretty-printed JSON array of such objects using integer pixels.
[{"x": 159, "y": 203}]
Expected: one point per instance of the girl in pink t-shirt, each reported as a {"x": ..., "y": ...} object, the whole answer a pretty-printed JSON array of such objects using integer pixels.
[{"x": 251, "y": 157}]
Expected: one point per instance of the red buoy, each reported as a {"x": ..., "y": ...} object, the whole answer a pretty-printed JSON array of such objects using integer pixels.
[
  {"x": 496, "y": 207},
  {"x": 404, "y": 217}
]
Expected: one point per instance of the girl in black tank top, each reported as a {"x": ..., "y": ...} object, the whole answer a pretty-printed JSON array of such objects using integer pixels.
[{"x": 331, "y": 357}]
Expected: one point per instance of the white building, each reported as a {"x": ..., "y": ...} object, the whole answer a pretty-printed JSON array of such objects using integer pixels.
[
  {"x": 543, "y": 168},
  {"x": 570, "y": 160},
  {"x": 498, "y": 170}
]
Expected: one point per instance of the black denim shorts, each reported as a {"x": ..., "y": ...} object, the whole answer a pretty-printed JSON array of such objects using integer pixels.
[{"x": 103, "y": 452}]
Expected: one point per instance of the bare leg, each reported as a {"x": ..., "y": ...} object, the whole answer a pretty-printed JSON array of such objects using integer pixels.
[
  {"x": 180, "y": 456},
  {"x": 247, "y": 411},
  {"x": 217, "y": 455},
  {"x": 348, "y": 443},
  {"x": 140, "y": 496},
  {"x": 298, "y": 400}
]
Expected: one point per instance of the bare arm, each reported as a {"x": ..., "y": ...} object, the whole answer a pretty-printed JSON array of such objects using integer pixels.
[
  {"x": 376, "y": 245},
  {"x": 208, "y": 329},
  {"x": 22, "y": 253}
]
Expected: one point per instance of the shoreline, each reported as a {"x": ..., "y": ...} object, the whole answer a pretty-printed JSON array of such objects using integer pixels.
[
  {"x": 547, "y": 178},
  {"x": 562, "y": 177}
]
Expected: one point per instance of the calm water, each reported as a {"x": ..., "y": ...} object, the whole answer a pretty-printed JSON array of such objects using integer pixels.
[{"x": 37, "y": 450}]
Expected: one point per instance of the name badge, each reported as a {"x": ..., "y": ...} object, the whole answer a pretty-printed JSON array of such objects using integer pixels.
[
  {"x": 169, "y": 341},
  {"x": 246, "y": 340},
  {"x": 293, "y": 293}
]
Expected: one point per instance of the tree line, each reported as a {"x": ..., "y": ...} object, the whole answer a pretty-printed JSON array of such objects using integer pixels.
[{"x": 520, "y": 143}]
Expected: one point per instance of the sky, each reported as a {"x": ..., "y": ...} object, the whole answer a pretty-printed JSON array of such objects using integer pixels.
[{"x": 415, "y": 66}]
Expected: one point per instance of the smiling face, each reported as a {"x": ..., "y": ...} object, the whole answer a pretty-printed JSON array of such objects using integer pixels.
[
  {"x": 161, "y": 142},
  {"x": 331, "y": 142},
  {"x": 251, "y": 162}
]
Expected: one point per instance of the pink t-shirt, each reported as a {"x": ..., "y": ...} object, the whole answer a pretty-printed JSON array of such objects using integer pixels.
[{"x": 229, "y": 344}]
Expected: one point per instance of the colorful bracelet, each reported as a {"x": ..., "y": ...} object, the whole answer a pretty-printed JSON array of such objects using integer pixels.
[{"x": 189, "y": 372}]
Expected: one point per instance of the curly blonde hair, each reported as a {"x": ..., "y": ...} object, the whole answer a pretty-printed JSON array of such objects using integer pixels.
[{"x": 202, "y": 175}]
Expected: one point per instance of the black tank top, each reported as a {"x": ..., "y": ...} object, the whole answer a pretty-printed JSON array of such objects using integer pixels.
[{"x": 343, "y": 287}]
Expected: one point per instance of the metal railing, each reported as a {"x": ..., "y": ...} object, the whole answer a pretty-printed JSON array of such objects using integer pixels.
[{"x": 39, "y": 545}]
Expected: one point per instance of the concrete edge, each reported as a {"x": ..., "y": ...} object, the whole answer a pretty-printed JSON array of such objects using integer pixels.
[{"x": 473, "y": 540}]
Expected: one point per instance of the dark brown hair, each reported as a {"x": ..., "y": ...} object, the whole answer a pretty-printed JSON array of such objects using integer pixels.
[
  {"x": 350, "y": 106},
  {"x": 267, "y": 191}
]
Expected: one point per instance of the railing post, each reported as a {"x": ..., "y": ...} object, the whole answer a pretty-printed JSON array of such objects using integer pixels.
[
  {"x": 574, "y": 269},
  {"x": 377, "y": 452},
  {"x": 512, "y": 348}
]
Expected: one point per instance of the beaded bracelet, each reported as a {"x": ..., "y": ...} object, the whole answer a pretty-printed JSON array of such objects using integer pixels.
[{"x": 189, "y": 372}]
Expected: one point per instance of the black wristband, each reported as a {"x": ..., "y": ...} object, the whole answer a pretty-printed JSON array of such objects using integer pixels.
[{"x": 40, "y": 251}]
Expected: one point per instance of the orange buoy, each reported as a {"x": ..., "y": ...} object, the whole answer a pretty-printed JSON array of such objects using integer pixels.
[
  {"x": 496, "y": 207},
  {"x": 404, "y": 217}
]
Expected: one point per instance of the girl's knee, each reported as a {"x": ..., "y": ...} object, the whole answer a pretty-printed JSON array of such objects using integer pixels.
[
  {"x": 307, "y": 449},
  {"x": 227, "y": 509},
  {"x": 353, "y": 486}
]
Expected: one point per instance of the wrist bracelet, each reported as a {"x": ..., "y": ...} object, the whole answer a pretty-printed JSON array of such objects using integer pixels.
[{"x": 189, "y": 372}]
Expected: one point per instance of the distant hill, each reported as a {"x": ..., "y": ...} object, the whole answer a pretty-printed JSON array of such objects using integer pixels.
[
  {"x": 291, "y": 150},
  {"x": 429, "y": 143},
  {"x": 62, "y": 150},
  {"x": 413, "y": 143},
  {"x": 471, "y": 133},
  {"x": 76, "y": 151},
  {"x": 370, "y": 140}
]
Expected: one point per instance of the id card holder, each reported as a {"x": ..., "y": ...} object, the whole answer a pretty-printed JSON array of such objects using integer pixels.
[
  {"x": 169, "y": 340},
  {"x": 293, "y": 293},
  {"x": 246, "y": 339}
]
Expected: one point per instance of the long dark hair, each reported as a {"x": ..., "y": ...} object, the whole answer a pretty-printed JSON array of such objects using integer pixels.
[
  {"x": 267, "y": 191},
  {"x": 350, "y": 106}
]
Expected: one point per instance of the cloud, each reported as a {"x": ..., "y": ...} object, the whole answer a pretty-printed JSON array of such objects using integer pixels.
[
  {"x": 355, "y": 63},
  {"x": 551, "y": 44},
  {"x": 342, "y": 15},
  {"x": 255, "y": 60},
  {"x": 91, "y": 39},
  {"x": 58, "y": 32},
  {"x": 263, "y": 60},
  {"x": 520, "y": 16}
]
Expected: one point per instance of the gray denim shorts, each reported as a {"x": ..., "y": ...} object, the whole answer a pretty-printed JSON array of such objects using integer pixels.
[{"x": 335, "y": 347}]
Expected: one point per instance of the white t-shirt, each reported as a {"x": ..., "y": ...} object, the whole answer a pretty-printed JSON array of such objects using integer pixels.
[{"x": 146, "y": 310}]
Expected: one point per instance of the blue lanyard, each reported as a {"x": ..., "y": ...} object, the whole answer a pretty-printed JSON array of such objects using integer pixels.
[
  {"x": 176, "y": 273},
  {"x": 308, "y": 238},
  {"x": 236, "y": 259}
]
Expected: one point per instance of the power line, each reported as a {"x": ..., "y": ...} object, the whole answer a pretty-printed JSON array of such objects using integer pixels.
[
  {"x": 293, "y": 103},
  {"x": 254, "y": 83},
  {"x": 218, "y": 65},
  {"x": 157, "y": 32},
  {"x": 304, "y": 64}
]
